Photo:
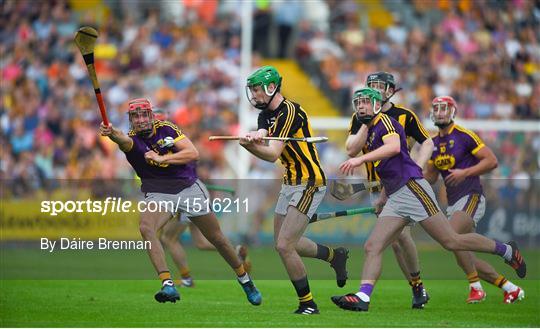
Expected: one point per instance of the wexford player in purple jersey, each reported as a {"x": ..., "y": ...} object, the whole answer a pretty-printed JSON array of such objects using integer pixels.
[
  {"x": 406, "y": 196},
  {"x": 404, "y": 247},
  {"x": 165, "y": 160},
  {"x": 461, "y": 157},
  {"x": 174, "y": 228}
]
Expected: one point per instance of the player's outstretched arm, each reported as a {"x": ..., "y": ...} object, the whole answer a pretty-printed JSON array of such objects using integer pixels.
[
  {"x": 124, "y": 141},
  {"x": 424, "y": 154},
  {"x": 356, "y": 142}
]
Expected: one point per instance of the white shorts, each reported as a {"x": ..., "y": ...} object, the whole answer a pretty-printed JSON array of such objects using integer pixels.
[
  {"x": 193, "y": 201},
  {"x": 472, "y": 204},
  {"x": 305, "y": 199},
  {"x": 414, "y": 201},
  {"x": 374, "y": 196}
]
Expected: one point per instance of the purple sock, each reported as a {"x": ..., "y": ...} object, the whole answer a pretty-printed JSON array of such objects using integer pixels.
[
  {"x": 366, "y": 288},
  {"x": 500, "y": 248}
]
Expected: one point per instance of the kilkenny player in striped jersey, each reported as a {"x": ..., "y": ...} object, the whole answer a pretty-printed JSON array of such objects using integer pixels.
[
  {"x": 406, "y": 196},
  {"x": 461, "y": 157},
  {"x": 304, "y": 181}
]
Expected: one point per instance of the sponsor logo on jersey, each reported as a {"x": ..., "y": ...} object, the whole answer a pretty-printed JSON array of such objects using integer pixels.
[{"x": 445, "y": 161}]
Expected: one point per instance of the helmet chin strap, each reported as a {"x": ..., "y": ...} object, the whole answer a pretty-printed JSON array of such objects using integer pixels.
[
  {"x": 264, "y": 106},
  {"x": 388, "y": 98},
  {"x": 442, "y": 125},
  {"x": 366, "y": 119},
  {"x": 261, "y": 106},
  {"x": 145, "y": 133}
]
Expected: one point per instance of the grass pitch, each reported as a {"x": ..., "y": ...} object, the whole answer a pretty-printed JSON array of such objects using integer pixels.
[{"x": 102, "y": 302}]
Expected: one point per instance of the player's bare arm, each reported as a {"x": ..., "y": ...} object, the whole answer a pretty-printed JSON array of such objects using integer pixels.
[
  {"x": 431, "y": 174},
  {"x": 390, "y": 148},
  {"x": 488, "y": 162},
  {"x": 124, "y": 141},
  {"x": 356, "y": 142},
  {"x": 269, "y": 152},
  {"x": 258, "y": 135},
  {"x": 187, "y": 153},
  {"x": 424, "y": 154}
]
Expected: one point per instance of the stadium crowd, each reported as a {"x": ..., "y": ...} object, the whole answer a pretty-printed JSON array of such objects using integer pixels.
[
  {"x": 184, "y": 56},
  {"x": 485, "y": 54},
  {"x": 186, "y": 63}
]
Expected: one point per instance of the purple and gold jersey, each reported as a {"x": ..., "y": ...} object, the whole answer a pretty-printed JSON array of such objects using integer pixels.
[
  {"x": 456, "y": 151},
  {"x": 396, "y": 171},
  {"x": 414, "y": 130},
  {"x": 161, "y": 178}
]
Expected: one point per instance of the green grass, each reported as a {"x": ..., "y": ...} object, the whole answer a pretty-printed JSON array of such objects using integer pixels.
[
  {"x": 88, "y": 299},
  {"x": 222, "y": 304},
  {"x": 32, "y": 263}
]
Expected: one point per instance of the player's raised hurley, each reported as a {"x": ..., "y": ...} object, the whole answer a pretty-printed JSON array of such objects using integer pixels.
[
  {"x": 285, "y": 139},
  {"x": 85, "y": 39}
]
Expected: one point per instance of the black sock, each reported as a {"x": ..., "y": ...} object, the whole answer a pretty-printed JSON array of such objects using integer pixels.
[
  {"x": 302, "y": 290},
  {"x": 324, "y": 253}
]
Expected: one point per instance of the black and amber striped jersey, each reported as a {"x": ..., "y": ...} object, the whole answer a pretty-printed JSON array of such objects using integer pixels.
[
  {"x": 414, "y": 130},
  {"x": 300, "y": 159}
]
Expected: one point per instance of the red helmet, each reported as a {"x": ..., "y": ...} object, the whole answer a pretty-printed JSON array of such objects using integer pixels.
[
  {"x": 443, "y": 103},
  {"x": 445, "y": 99},
  {"x": 139, "y": 104},
  {"x": 141, "y": 118}
]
